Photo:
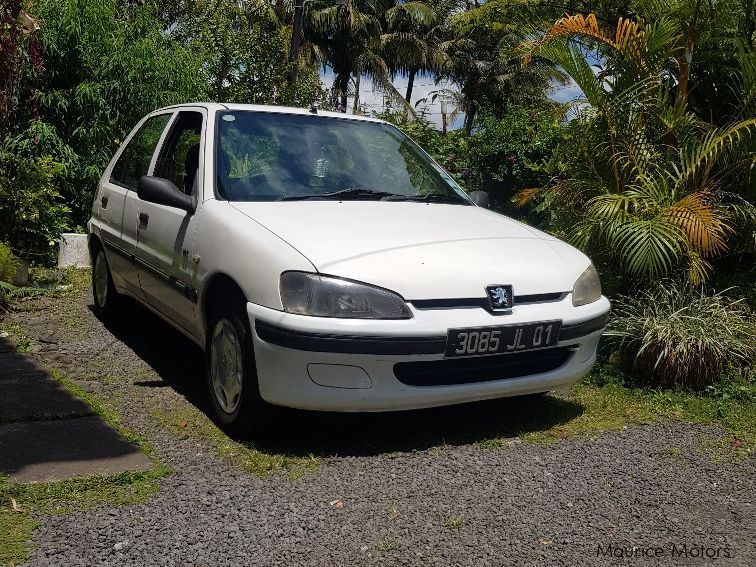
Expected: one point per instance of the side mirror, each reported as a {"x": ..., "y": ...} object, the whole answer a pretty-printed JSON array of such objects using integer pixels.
[
  {"x": 480, "y": 198},
  {"x": 163, "y": 192}
]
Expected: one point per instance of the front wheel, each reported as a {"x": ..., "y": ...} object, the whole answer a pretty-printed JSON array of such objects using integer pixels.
[{"x": 231, "y": 374}]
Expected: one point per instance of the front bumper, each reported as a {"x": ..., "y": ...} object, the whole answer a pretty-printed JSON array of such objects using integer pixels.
[{"x": 361, "y": 365}]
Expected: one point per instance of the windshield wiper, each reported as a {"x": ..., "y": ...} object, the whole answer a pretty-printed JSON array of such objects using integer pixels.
[
  {"x": 353, "y": 192},
  {"x": 429, "y": 197}
]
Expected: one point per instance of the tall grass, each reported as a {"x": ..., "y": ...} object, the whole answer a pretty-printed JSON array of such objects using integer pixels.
[{"x": 676, "y": 335}]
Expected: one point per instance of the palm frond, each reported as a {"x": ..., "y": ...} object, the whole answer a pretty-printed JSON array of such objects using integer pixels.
[
  {"x": 647, "y": 247},
  {"x": 705, "y": 230},
  {"x": 571, "y": 59},
  {"x": 525, "y": 196},
  {"x": 697, "y": 159},
  {"x": 418, "y": 12},
  {"x": 586, "y": 26}
]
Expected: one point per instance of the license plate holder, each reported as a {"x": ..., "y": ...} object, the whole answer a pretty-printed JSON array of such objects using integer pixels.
[{"x": 487, "y": 341}]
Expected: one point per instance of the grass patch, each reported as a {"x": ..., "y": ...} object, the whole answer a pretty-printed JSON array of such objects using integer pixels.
[
  {"x": 63, "y": 497},
  {"x": 190, "y": 422},
  {"x": 15, "y": 333},
  {"x": 61, "y": 281},
  {"x": 106, "y": 413},
  {"x": 611, "y": 407},
  {"x": 601, "y": 402},
  {"x": 454, "y": 523},
  {"x": 386, "y": 545},
  {"x": 77, "y": 494}
]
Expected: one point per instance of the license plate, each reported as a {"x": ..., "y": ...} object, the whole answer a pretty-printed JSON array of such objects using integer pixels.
[{"x": 478, "y": 341}]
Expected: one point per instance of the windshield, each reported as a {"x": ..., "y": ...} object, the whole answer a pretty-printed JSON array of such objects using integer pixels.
[{"x": 274, "y": 157}]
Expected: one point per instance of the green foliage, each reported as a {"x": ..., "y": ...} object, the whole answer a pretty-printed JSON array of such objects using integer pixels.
[
  {"x": 504, "y": 155},
  {"x": 244, "y": 51},
  {"x": 675, "y": 335},
  {"x": 513, "y": 152},
  {"x": 8, "y": 263},
  {"x": 482, "y": 48},
  {"x": 103, "y": 70},
  {"x": 648, "y": 179},
  {"x": 349, "y": 37},
  {"x": 32, "y": 213}
]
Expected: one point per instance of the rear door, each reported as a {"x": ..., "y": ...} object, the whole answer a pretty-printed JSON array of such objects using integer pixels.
[
  {"x": 165, "y": 235},
  {"x": 117, "y": 200}
]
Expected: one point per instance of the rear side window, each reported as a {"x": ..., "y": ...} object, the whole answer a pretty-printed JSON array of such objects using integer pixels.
[{"x": 135, "y": 158}]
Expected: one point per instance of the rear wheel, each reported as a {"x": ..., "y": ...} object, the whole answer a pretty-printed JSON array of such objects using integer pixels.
[
  {"x": 106, "y": 298},
  {"x": 231, "y": 374}
]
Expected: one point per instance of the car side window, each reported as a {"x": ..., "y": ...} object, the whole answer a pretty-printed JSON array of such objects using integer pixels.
[
  {"x": 179, "y": 157},
  {"x": 135, "y": 159}
]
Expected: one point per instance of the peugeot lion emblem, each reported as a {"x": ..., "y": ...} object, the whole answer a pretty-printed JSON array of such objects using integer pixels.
[{"x": 500, "y": 297}]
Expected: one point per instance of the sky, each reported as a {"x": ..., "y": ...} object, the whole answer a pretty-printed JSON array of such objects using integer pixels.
[{"x": 424, "y": 86}]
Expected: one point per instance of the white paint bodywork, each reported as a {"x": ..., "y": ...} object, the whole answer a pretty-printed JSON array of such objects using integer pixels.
[{"x": 419, "y": 250}]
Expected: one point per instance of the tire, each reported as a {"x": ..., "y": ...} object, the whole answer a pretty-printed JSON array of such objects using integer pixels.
[
  {"x": 107, "y": 300},
  {"x": 231, "y": 373}
]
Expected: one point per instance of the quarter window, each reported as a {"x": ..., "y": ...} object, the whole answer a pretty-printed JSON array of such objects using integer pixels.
[{"x": 135, "y": 159}]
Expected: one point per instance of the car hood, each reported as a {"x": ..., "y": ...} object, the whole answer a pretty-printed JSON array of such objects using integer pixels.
[{"x": 422, "y": 250}]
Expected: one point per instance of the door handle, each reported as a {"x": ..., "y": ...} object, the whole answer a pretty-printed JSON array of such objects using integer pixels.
[
  {"x": 104, "y": 202},
  {"x": 144, "y": 218}
]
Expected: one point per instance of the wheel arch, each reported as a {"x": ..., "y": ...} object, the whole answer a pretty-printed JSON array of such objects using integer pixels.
[
  {"x": 219, "y": 288},
  {"x": 94, "y": 243}
]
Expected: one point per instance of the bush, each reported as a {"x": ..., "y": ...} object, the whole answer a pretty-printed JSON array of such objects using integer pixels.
[
  {"x": 678, "y": 336},
  {"x": 32, "y": 212},
  {"x": 8, "y": 263},
  {"x": 504, "y": 155}
]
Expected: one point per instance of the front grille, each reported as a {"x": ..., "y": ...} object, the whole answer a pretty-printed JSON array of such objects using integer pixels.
[
  {"x": 483, "y": 301},
  {"x": 480, "y": 369}
]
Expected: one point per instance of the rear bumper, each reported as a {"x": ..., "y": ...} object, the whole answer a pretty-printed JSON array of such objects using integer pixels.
[{"x": 352, "y": 365}]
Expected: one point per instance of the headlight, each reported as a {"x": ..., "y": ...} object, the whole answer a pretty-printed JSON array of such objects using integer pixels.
[
  {"x": 587, "y": 288},
  {"x": 324, "y": 296}
]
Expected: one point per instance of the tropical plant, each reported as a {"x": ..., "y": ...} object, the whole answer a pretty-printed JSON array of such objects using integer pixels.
[
  {"x": 653, "y": 184},
  {"x": 32, "y": 213},
  {"x": 677, "y": 335},
  {"x": 8, "y": 263},
  {"x": 413, "y": 32},
  {"x": 105, "y": 67},
  {"x": 484, "y": 62},
  {"x": 348, "y": 37},
  {"x": 243, "y": 47}
]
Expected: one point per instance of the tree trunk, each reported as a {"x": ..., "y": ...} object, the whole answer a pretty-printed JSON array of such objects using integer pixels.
[
  {"x": 683, "y": 77},
  {"x": 748, "y": 23},
  {"x": 356, "y": 106},
  {"x": 685, "y": 59},
  {"x": 296, "y": 36},
  {"x": 341, "y": 84},
  {"x": 10, "y": 60},
  {"x": 470, "y": 118},
  {"x": 410, "y": 86}
]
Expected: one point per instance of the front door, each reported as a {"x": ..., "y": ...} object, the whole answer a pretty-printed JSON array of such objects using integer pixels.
[{"x": 165, "y": 235}]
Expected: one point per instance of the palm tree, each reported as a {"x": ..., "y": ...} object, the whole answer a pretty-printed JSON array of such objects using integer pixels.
[
  {"x": 653, "y": 184},
  {"x": 481, "y": 45},
  {"x": 413, "y": 33},
  {"x": 348, "y": 38}
]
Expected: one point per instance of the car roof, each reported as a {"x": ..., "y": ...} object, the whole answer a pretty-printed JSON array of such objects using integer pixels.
[{"x": 216, "y": 106}]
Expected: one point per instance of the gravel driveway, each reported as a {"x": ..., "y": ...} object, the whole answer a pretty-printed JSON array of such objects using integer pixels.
[{"x": 408, "y": 489}]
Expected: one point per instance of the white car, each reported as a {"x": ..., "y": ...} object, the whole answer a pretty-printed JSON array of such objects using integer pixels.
[{"x": 325, "y": 261}]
